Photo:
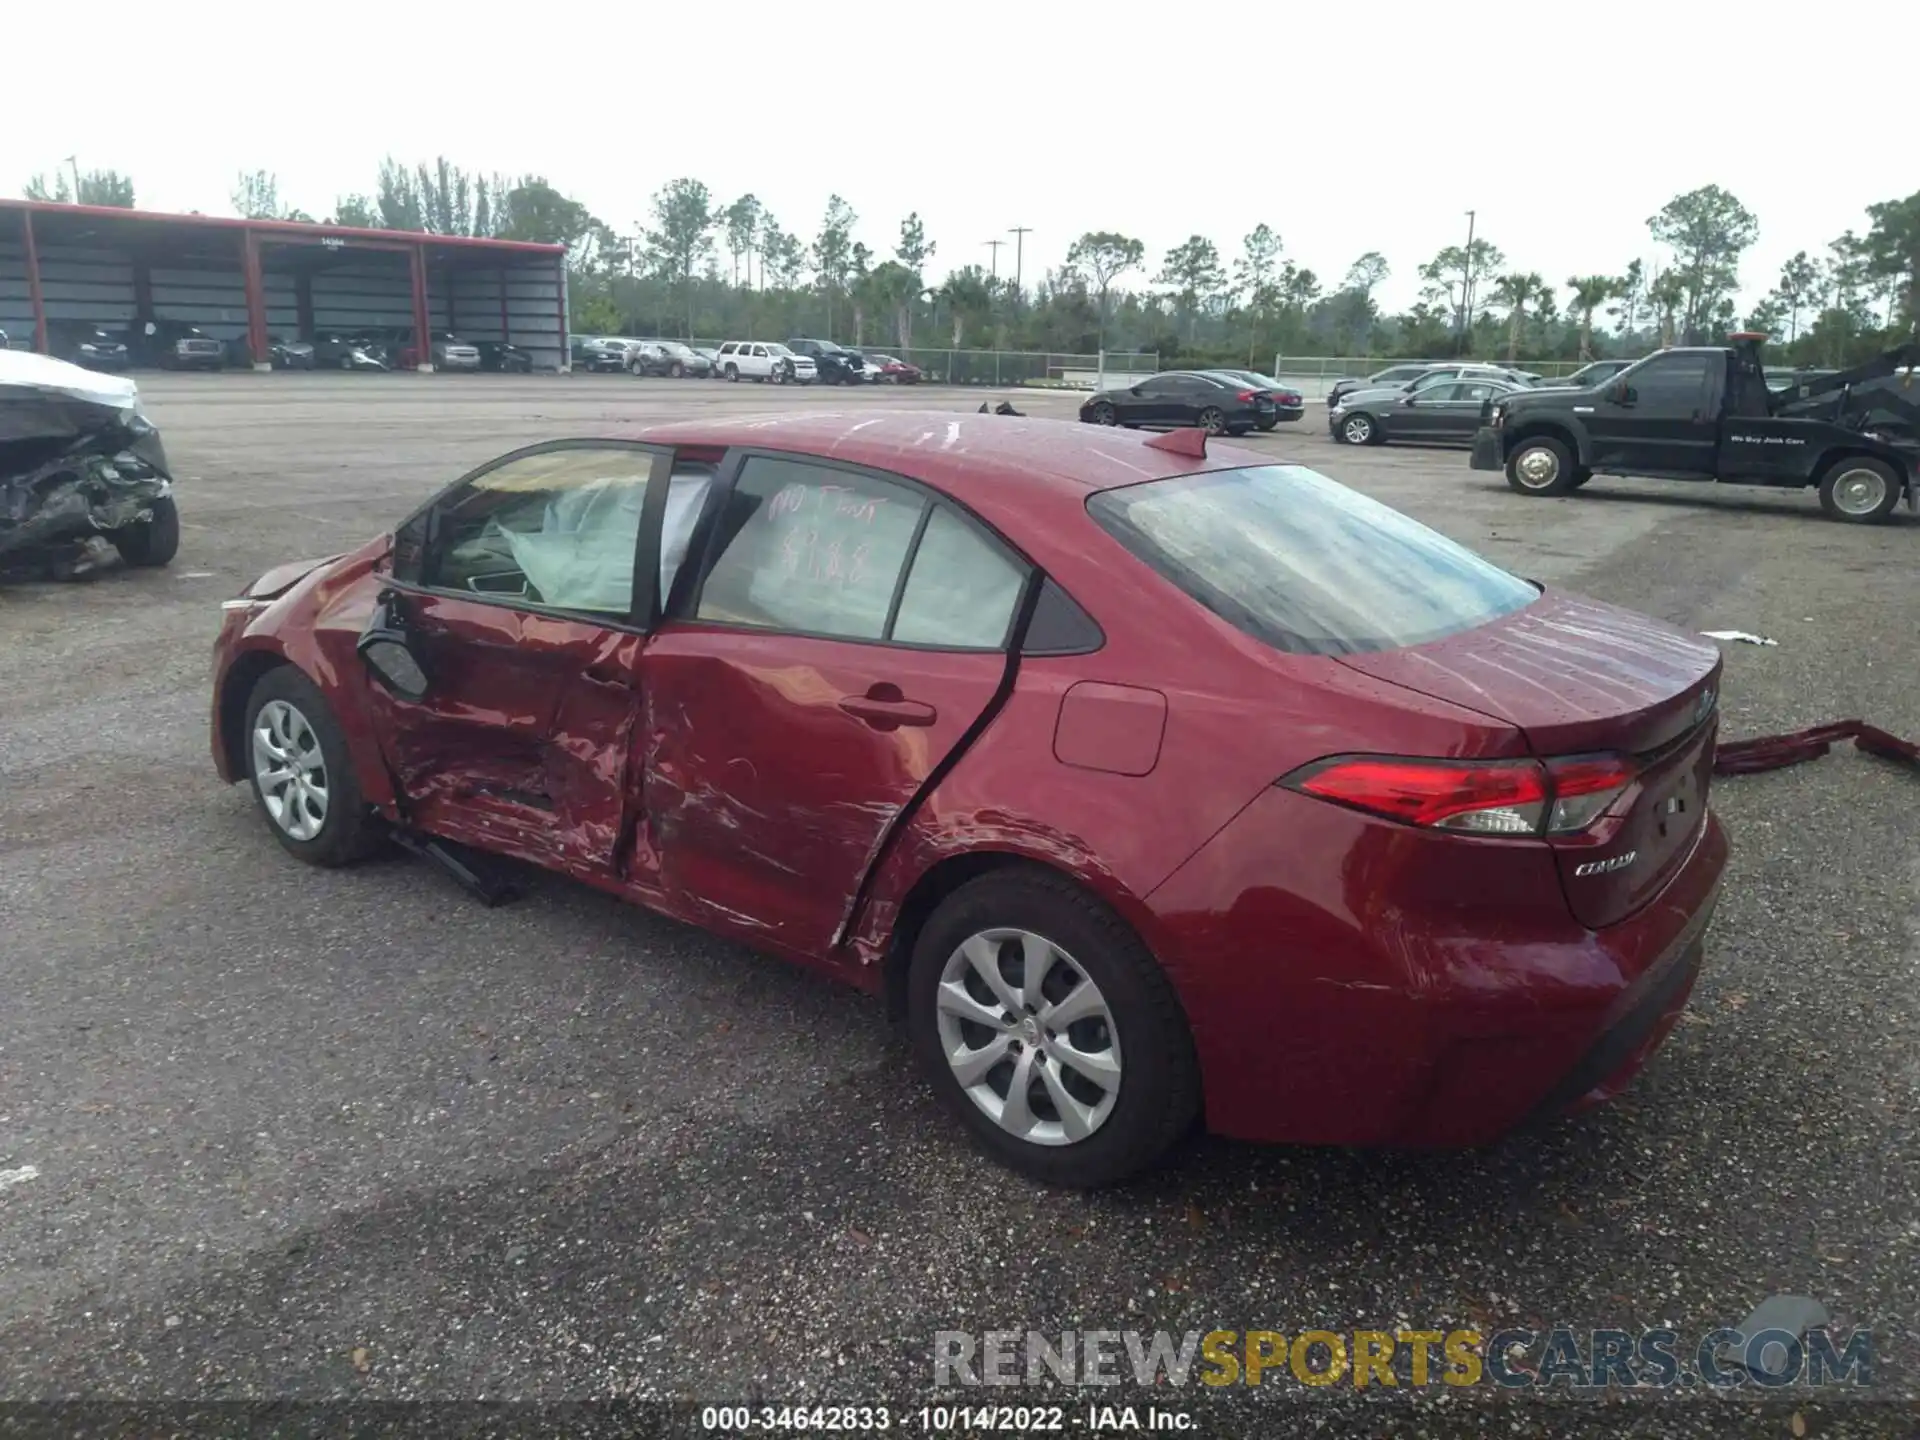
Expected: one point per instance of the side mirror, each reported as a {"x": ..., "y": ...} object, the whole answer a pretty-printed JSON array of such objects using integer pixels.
[
  {"x": 387, "y": 652},
  {"x": 1621, "y": 394}
]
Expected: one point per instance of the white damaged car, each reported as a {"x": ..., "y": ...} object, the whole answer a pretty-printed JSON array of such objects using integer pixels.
[{"x": 79, "y": 461}]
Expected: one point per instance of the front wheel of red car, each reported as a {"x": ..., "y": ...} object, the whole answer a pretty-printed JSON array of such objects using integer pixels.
[
  {"x": 1047, "y": 1026},
  {"x": 302, "y": 773}
]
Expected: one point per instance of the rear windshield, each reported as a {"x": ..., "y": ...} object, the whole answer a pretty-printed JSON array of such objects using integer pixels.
[{"x": 1305, "y": 564}]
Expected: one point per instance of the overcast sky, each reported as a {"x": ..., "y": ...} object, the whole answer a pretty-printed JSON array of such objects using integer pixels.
[{"x": 1563, "y": 126}]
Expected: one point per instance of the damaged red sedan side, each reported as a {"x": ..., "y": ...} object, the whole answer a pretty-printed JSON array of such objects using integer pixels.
[{"x": 1150, "y": 785}]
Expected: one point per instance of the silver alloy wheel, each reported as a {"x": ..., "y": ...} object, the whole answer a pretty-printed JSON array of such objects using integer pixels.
[
  {"x": 1212, "y": 421},
  {"x": 1103, "y": 414},
  {"x": 290, "y": 769},
  {"x": 1537, "y": 467},
  {"x": 1029, "y": 1036},
  {"x": 1358, "y": 429},
  {"x": 1859, "y": 492}
]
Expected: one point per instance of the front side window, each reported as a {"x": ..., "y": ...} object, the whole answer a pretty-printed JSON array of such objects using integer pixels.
[
  {"x": 557, "y": 529},
  {"x": 1304, "y": 564},
  {"x": 1675, "y": 382}
]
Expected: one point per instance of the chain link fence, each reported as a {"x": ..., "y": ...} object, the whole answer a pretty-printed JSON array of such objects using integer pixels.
[{"x": 1044, "y": 368}]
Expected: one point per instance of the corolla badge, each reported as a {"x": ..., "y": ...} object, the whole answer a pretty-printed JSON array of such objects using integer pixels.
[{"x": 1607, "y": 866}]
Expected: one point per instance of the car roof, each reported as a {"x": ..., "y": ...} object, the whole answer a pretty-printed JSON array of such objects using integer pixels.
[{"x": 998, "y": 465}]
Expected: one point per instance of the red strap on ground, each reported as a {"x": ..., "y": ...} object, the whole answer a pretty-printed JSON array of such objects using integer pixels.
[{"x": 1776, "y": 752}]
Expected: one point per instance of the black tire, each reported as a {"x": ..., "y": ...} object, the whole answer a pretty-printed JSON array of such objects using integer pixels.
[
  {"x": 350, "y": 830},
  {"x": 1847, "y": 490},
  {"x": 733, "y": 372},
  {"x": 1158, "y": 1097},
  {"x": 152, "y": 542},
  {"x": 1212, "y": 421},
  {"x": 677, "y": 370},
  {"x": 1580, "y": 477},
  {"x": 1359, "y": 428},
  {"x": 1541, "y": 465},
  {"x": 777, "y": 375},
  {"x": 636, "y": 369},
  {"x": 1101, "y": 413}
]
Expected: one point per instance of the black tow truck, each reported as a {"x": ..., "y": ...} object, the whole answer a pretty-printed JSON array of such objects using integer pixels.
[{"x": 1707, "y": 413}]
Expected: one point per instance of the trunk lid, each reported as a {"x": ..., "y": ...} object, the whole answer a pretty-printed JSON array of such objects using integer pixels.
[{"x": 1579, "y": 677}]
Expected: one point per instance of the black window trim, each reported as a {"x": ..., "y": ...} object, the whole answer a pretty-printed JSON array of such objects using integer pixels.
[
  {"x": 646, "y": 543},
  {"x": 685, "y": 608}
]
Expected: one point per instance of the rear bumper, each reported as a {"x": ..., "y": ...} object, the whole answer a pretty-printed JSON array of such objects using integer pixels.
[
  {"x": 1448, "y": 1001},
  {"x": 1486, "y": 449}
]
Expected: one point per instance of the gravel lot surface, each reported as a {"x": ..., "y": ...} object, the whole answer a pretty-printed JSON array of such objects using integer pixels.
[{"x": 271, "y": 1131}]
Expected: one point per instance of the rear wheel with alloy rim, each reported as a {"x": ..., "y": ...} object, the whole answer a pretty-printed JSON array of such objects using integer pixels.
[
  {"x": 302, "y": 773},
  {"x": 1101, "y": 413},
  {"x": 1049, "y": 1029},
  {"x": 1213, "y": 421},
  {"x": 1861, "y": 490},
  {"x": 1358, "y": 430}
]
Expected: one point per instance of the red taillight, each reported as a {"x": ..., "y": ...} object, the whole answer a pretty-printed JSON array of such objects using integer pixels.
[
  {"x": 1244, "y": 397},
  {"x": 1476, "y": 797},
  {"x": 1584, "y": 788}
]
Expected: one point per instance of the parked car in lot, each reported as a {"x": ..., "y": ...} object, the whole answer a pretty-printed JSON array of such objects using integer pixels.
[
  {"x": 1150, "y": 782},
  {"x": 501, "y": 356},
  {"x": 176, "y": 345},
  {"x": 765, "y": 360},
  {"x": 282, "y": 353},
  {"x": 598, "y": 353},
  {"x": 81, "y": 342},
  {"x": 1181, "y": 398},
  {"x": 708, "y": 353},
  {"x": 1444, "y": 413},
  {"x": 1403, "y": 377},
  {"x": 677, "y": 360},
  {"x": 345, "y": 350},
  {"x": 834, "y": 364},
  {"x": 1288, "y": 402},
  {"x": 1592, "y": 373},
  {"x": 890, "y": 370},
  {"x": 445, "y": 351},
  {"x": 79, "y": 459}
]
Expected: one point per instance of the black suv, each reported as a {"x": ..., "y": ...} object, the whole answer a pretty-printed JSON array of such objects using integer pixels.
[
  {"x": 81, "y": 342},
  {"x": 834, "y": 364}
]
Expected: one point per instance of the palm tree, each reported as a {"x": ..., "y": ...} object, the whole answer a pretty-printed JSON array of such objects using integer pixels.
[
  {"x": 1517, "y": 291},
  {"x": 1590, "y": 292}
]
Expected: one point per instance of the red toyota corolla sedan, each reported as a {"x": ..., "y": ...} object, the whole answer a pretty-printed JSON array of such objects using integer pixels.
[{"x": 1152, "y": 783}]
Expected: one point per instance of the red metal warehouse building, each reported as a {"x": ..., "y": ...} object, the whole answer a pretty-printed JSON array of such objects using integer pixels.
[{"x": 255, "y": 279}]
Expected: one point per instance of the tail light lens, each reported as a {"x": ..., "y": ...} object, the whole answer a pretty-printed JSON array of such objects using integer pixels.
[
  {"x": 1474, "y": 797},
  {"x": 1244, "y": 397}
]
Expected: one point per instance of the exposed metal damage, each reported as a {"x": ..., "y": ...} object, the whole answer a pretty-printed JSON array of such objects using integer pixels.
[{"x": 80, "y": 463}]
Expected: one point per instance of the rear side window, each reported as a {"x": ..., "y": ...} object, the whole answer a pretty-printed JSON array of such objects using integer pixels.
[{"x": 1305, "y": 564}]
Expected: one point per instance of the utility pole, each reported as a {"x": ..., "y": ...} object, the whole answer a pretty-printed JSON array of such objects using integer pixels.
[
  {"x": 76, "y": 178},
  {"x": 1019, "y": 233},
  {"x": 1466, "y": 291},
  {"x": 994, "y": 245}
]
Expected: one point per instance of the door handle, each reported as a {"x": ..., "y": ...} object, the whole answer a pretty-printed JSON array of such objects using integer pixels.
[
  {"x": 884, "y": 708},
  {"x": 606, "y": 677}
]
